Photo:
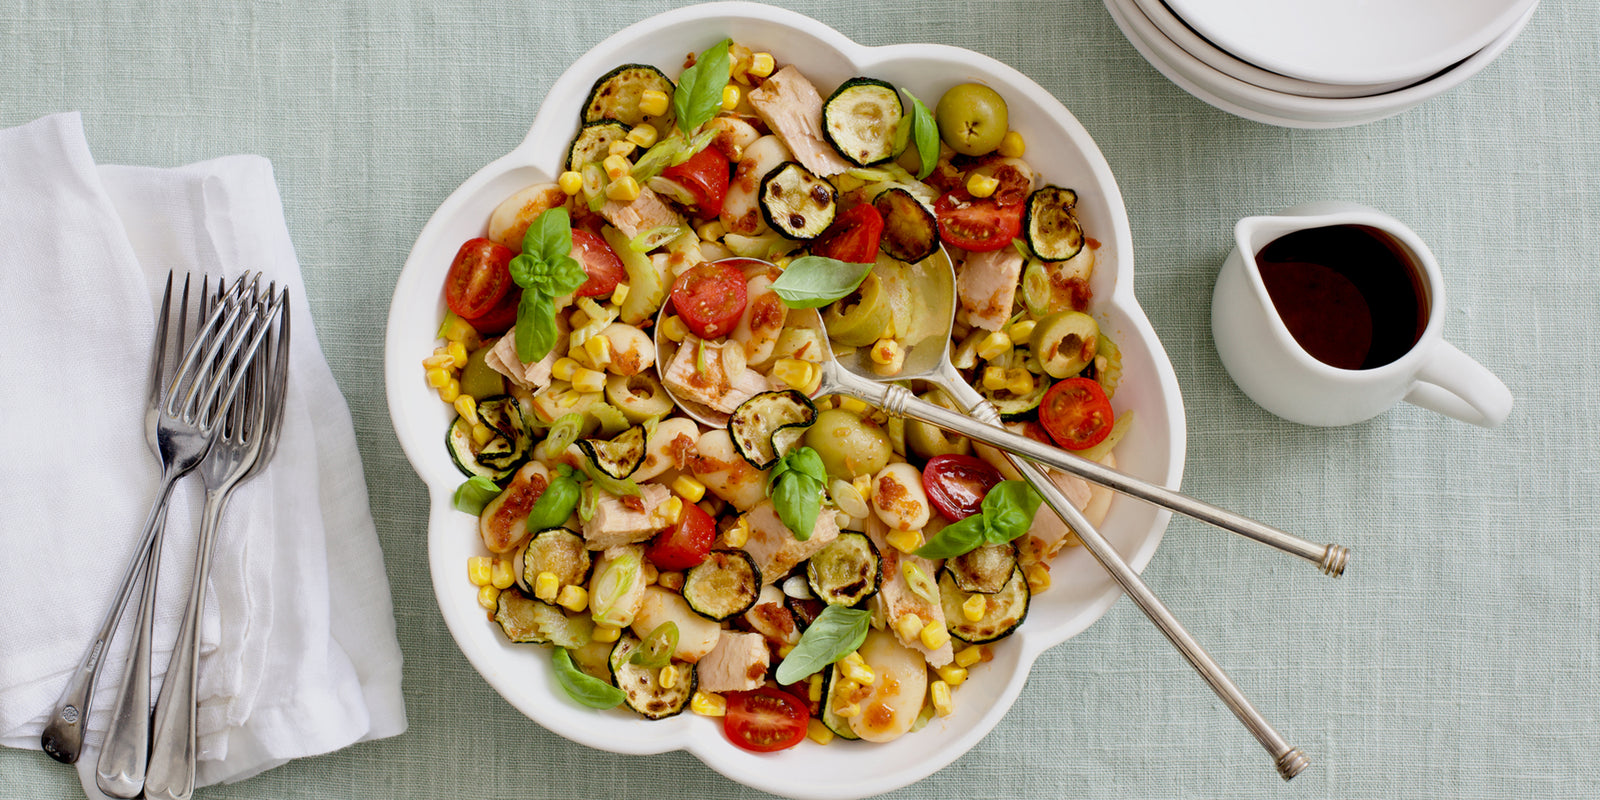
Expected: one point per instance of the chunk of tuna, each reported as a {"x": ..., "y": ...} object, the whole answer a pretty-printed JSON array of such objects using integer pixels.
[
  {"x": 738, "y": 663},
  {"x": 773, "y": 546},
  {"x": 502, "y": 358},
  {"x": 625, "y": 520},
  {"x": 647, "y": 212},
  {"x": 986, "y": 285},
  {"x": 895, "y": 598},
  {"x": 719, "y": 379},
  {"x": 792, "y": 109}
]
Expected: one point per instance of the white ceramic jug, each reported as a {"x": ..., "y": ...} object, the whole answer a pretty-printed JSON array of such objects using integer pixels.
[{"x": 1271, "y": 367}]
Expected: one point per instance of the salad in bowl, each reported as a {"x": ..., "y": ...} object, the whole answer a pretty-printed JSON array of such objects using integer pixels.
[{"x": 649, "y": 532}]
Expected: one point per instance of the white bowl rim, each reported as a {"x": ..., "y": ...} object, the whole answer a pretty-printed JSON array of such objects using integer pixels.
[{"x": 401, "y": 381}]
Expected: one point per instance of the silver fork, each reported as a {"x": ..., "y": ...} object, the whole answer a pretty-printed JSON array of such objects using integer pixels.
[
  {"x": 185, "y": 433},
  {"x": 63, "y": 734},
  {"x": 242, "y": 452}
]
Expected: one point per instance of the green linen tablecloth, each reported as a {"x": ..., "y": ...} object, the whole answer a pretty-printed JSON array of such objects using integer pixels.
[{"x": 1459, "y": 656}]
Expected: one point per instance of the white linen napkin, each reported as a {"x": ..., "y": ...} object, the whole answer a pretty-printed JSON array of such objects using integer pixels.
[{"x": 299, "y": 654}]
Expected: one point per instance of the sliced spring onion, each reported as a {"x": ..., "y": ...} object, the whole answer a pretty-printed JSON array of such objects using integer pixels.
[
  {"x": 611, "y": 585},
  {"x": 655, "y": 237},
  {"x": 588, "y": 501},
  {"x": 1036, "y": 289},
  {"x": 921, "y": 585},
  {"x": 563, "y": 433}
]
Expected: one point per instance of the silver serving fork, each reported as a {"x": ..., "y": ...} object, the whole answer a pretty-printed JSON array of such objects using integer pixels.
[
  {"x": 241, "y": 453},
  {"x": 185, "y": 433}
]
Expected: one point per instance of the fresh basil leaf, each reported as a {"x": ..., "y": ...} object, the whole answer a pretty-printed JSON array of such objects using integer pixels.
[
  {"x": 536, "y": 327},
  {"x": 925, "y": 132},
  {"x": 699, "y": 91},
  {"x": 955, "y": 539},
  {"x": 797, "y": 498},
  {"x": 566, "y": 275},
  {"x": 815, "y": 281},
  {"x": 1008, "y": 510},
  {"x": 555, "y": 504},
  {"x": 836, "y": 632},
  {"x": 806, "y": 461},
  {"x": 525, "y": 269},
  {"x": 474, "y": 494},
  {"x": 583, "y": 687},
  {"x": 549, "y": 236}
]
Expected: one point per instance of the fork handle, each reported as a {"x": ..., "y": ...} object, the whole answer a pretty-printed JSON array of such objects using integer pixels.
[{"x": 171, "y": 773}]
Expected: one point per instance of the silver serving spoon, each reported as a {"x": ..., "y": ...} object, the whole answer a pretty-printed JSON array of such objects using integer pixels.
[{"x": 927, "y": 358}]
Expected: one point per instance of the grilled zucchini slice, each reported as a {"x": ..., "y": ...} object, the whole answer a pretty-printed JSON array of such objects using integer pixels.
[
  {"x": 910, "y": 231},
  {"x": 618, "y": 457},
  {"x": 498, "y": 458},
  {"x": 757, "y": 426},
  {"x": 528, "y": 619},
  {"x": 723, "y": 586},
  {"x": 1003, "y": 611},
  {"x": 984, "y": 570},
  {"x": 1050, "y": 225},
  {"x": 560, "y": 552},
  {"x": 796, "y": 203},
  {"x": 641, "y": 686},
  {"x": 830, "y": 718},
  {"x": 616, "y": 94},
  {"x": 593, "y": 142},
  {"x": 860, "y": 119},
  {"x": 845, "y": 572},
  {"x": 1015, "y": 408}
]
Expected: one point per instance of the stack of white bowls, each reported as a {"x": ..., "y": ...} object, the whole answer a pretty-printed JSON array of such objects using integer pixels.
[{"x": 1319, "y": 63}]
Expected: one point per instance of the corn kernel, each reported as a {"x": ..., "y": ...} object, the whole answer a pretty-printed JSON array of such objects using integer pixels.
[
  {"x": 458, "y": 354},
  {"x": 651, "y": 572},
  {"x": 782, "y": 262},
  {"x": 623, "y": 148},
  {"x": 708, "y": 704},
  {"x": 951, "y": 674},
  {"x": 856, "y": 669},
  {"x": 481, "y": 433},
  {"x": 994, "y": 378},
  {"x": 489, "y": 597},
  {"x": 616, "y": 167},
  {"x": 563, "y": 369},
  {"x": 974, "y": 608},
  {"x": 904, "y": 541},
  {"x": 730, "y": 97},
  {"x": 625, "y": 190},
  {"x": 547, "y": 587},
  {"x": 712, "y": 231},
  {"x": 588, "y": 381},
  {"x": 619, "y": 294},
  {"x": 599, "y": 350},
  {"x": 438, "y": 361},
  {"x": 909, "y": 627},
  {"x": 1012, "y": 145},
  {"x": 570, "y": 182},
  {"x": 737, "y": 535},
  {"x": 993, "y": 345},
  {"x": 818, "y": 732},
  {"x": 670, "y": 580},
  {"x": 643, "y": 135},
  {"x": 885, "y": 350},
  {"x": 796, "y": 373},
  {"x": 934, "y": 635},
  {"x": 863, "y": 485},
  {"x": 653, "y": 103},
  {"x": 940, "y": 692},
  {"x": 457, "y": 329},
  {"x": 968, "y": 656},
  {"x": 573, "y": 598},
  {"x": 854, "y": 406},
  {"x": 761, "y": 65},
  {"x": 689, "y": 488},
  {"x": 814, "y": 688},
  {"x": 500, "y": 574},
  {"x": 1022, "y": 330},
  {"x": 672, "y": 510},
  {"x": 607, "y": 633},
  {"x": 667, "y": 677},
  {"x": 1019, "y": 381},
  {"x": 843, "y": 704},
  {"x": 467, "y": 407},
  {"x": 451, "y": 391},
  {"x": 1038, "y": 576},
  {"x": 981, "y": 185},
  {"x": 785, "y": 650},
  {"x": 478, "y": 570},
  {"x": 438, "y": 376},
  {"x": 674, "y": 329}
]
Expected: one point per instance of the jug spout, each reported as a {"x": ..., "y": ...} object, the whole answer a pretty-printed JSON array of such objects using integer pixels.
[{"x": 1254, "y": 233}]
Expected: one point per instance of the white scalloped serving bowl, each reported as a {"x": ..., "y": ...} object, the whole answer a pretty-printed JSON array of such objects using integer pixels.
[{"x": 1059, "y": 149}]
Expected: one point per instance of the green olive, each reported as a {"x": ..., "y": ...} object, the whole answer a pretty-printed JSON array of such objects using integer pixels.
[
  {"x": 848, "y": 445},
  {"x": 927, "y": 440},
  {"x": 972, "y": 119},
  {"x": 1065, "y": 342},
  {"x": 480, "y": 380}
]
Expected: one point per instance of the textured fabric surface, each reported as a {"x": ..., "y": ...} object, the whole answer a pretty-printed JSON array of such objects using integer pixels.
[{"x": 1460, "y": 655}]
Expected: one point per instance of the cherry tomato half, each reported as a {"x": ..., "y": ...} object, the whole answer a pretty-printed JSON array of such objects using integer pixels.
[
  {"x": 478, "y": 278},
  {"x": 763, "y": 720},
  {"x": 710, "y": 297},
  {"x": 499, "y": 319},
  {"x": 1076, "y": 413},
  {"x": 706, "y": 175},
  {"x": 600, "y": 261},
  {"x": 685, "y": 544},
  {"x": 957, "y": 483},
  {"x": 853, "y": 237},
  {"x": 976, "y": 224}
]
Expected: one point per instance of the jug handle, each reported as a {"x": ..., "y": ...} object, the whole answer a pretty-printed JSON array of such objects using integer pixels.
[{"x": 1453, "y": 384}]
